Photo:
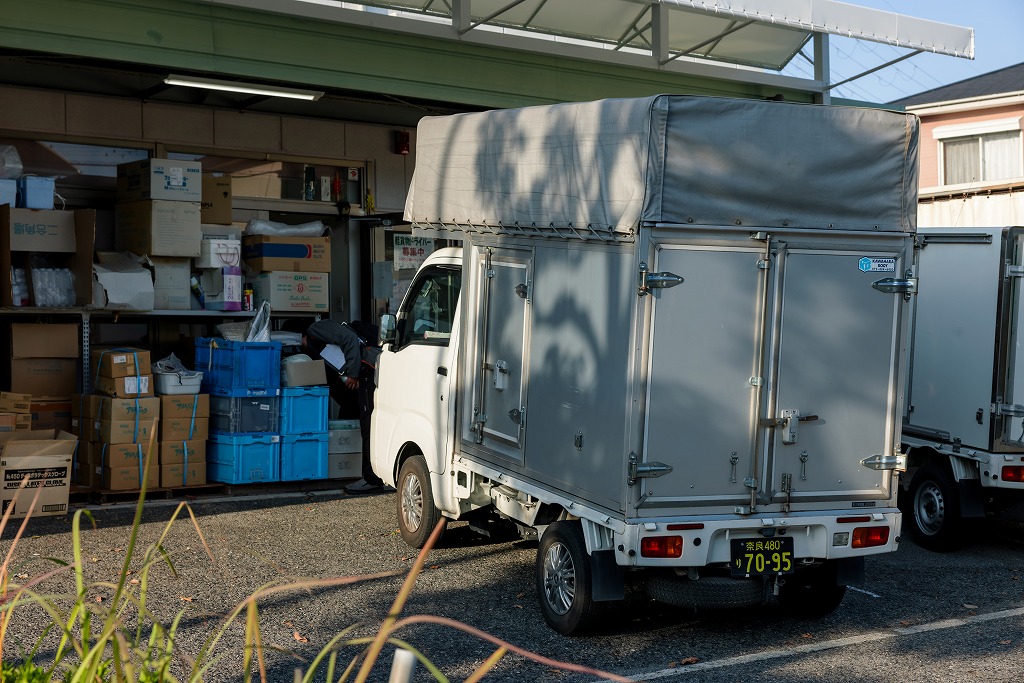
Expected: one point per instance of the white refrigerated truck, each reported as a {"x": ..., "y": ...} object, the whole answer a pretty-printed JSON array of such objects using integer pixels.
[
  {"x": 671, "y": 345},
  {"x": 964, "y": 429}
]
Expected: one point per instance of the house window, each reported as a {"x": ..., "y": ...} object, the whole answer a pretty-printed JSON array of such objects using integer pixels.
[{"x": 980, "y": 153}]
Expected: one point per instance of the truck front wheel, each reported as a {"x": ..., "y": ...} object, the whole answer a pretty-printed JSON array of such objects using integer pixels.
[
  {"x": 935, "y": 508},
  {"x": 564, "y": 580},
  {"x": 417, "y": 514}
]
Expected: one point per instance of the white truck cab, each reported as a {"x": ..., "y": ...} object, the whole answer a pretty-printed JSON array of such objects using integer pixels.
[{"x": 666, "y": 359}]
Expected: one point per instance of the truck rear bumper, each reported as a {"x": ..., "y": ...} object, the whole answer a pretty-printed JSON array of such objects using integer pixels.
[{"x": 708, "y": 540}]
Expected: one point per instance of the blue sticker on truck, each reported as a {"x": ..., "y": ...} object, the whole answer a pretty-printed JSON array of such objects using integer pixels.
[{"x": 877, "y": 265}]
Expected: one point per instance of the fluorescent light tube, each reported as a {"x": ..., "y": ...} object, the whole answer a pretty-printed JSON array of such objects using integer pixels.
[{"x": 249, "y": 88}]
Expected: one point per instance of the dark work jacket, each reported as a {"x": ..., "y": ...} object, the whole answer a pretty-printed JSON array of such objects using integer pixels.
[{"x": 360, "y": 352}]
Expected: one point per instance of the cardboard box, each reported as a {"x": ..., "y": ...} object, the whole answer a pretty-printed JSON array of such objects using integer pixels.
[
  {"x": 303, "y": 373},
  {"x": 171, "y": 283},
  {"x": 11, "y": 402},
  {"x": 119, "y": 361},
  {"x": 115, "y": 455},
  {"x": 125, "y": 478},
  {"x": 192, "y": 474},
  {"x": 184, "y": 429},
  {"x": 187, "y": 406},
  {"x": 222, "y": 288},
  {"x": 156, "y": 227},
  {"x": 68, "y": 236},
  {"x": 344, "y": 465},
  {"x": 40, "y": 230},
  {"x": 54, "y": 415},
  {"x": 23, "y": 421},
  {"x": 121, "y": 409},
  {"x": 49, "y": 378},
  {"x": 216, "y": 201},
  {"x": 185, "y": 451},
  {"x": 125, "y": 431},
  {"x": 35, "y": 192},
  {"x": 344, "y": 437},
  {"x": 121, "y": 283},
  {"x": 8, "y": 422},
  {"x": 292, "y": 291},
  {"x": 218, "y": 252},
  {"x": 274, "y": 252},
  {"x": 85, "y": 405},
  {"x": 45, "y": 340},
  {"x": 160, "y": 179},
  {"x": 124, "y": 387},
  {"x": 46, "y": 459}
]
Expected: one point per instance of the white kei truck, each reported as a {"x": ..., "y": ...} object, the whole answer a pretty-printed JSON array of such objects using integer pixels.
[
  {"x": 671, "y": 345},
  {"x": 964, "y": 428}
]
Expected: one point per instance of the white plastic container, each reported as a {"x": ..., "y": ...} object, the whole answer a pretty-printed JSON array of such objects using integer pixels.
[{"x": 177, "y": 383}]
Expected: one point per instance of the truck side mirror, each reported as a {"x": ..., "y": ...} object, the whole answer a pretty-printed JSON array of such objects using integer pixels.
[{"x": 387, "y": 328}]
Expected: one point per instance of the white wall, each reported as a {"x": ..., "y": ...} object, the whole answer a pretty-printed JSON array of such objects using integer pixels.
[{"x": 995, "y": 210}]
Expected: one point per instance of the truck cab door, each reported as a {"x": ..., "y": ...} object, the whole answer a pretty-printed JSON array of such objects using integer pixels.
[{"x": 415, "y": 378}]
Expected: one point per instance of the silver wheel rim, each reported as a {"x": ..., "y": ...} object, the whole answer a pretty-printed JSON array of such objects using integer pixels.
[
  {"x": 929, "y": 508},
  {"x": 559, "y": 578},
  {"x": 412, "y": 503}
]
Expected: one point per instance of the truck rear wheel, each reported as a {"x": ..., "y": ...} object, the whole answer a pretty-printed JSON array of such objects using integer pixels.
[
  {"x": 812, "y": 591},
  {"x": 417, "y": 514},
  {"x": 564, "y": 580},
  {"x": 935, "y": 508}
]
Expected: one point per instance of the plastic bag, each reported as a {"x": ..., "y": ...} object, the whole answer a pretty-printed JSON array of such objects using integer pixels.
[
  {"x": 257, "y": 226},
  {"x": 173, "y": 365},
  {"x": 10, "y": 162},
  {"x": 259, "y": 326}
]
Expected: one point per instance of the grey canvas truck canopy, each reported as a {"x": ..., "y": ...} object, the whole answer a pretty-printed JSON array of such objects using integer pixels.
[{"x": 608, "y": 166}]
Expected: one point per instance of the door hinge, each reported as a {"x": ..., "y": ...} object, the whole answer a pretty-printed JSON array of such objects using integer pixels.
[
  {"x": 648, "y": 470},
  {"x": 649, "y": 281},
  {"x": 891, "y": 285},
  {"x": 1011, "y": 409},
  {"x": 1014, "y": 271}
]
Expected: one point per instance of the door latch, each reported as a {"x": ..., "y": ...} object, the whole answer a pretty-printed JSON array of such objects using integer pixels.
[{"x": 649, "y": 281}]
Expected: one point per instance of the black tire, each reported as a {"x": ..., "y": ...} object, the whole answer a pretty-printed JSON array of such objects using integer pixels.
[
  {"x": 417, "y": 514},
  {"x": 934, "y": 513},
  {"x": 812, "y": 592},
  {"x": 564, "y": 581}
]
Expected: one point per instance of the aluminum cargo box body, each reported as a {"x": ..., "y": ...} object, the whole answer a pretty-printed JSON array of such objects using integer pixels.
[{"x": 760, "y": 382}]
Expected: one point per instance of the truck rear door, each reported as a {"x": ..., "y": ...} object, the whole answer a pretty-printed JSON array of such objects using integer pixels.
[{"x": 774, "y": 371}]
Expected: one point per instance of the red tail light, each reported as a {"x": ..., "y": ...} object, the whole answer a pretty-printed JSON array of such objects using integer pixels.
[
  {"x": 1013, "y": 473},
  {"x": 870, "y": 536},
  {"x": 661, "y": 546}
]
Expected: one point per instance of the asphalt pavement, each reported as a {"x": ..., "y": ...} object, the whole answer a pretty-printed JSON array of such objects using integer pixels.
[{"x": 921, "y": 616}]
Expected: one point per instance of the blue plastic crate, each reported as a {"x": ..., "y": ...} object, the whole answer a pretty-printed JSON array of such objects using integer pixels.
[
  {"x": 304, "y": 410},
  {"x": 233, "y": 368},
  {"x": 303, "y": 456},
  {"x": 243, "y": 458}
]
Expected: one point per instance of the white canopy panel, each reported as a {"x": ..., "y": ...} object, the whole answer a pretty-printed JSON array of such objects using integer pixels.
[{"x": 761, "y": 33}]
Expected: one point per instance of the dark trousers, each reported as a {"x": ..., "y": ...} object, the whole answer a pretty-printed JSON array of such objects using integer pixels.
[{"x": 365, "y": 392}]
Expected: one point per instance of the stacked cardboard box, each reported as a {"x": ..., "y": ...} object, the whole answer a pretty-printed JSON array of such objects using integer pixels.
[
  {"x": 159, "y": 216},
  {"x": 184, "y": 429},
  {"x": 35, "y": 468},
  {"x": 44, "y": 364},
  {"x": 293, "y": 271},
  {"x": 17, "y": 409}
]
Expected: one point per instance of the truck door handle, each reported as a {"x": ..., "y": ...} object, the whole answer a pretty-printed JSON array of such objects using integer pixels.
[{"x": 788, "y": 422}]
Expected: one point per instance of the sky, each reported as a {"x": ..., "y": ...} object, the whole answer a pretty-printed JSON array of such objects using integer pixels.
[{"x": 998, "y": 43}]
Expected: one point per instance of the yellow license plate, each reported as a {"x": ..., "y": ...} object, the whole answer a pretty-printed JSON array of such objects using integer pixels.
[{"x": 762, "y": 556}]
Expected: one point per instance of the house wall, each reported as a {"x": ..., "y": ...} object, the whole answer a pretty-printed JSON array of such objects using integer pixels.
[{"x": 930, "y": 146}]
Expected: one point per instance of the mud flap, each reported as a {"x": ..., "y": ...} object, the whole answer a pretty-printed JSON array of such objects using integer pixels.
[
  {"x": 850, "y": 571},
  {"x": 971, "y": 502},
  {"x": 607, "y": 577}
]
